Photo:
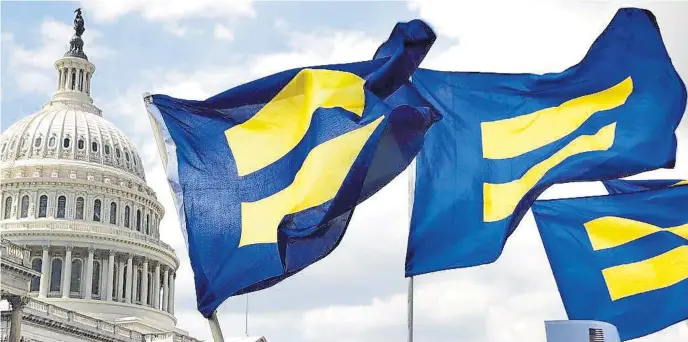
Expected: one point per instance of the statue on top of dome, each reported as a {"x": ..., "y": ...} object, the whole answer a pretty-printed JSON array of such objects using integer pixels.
[
  {"x": 78, "y": 23},
  {"x": 76, "y": 45}
]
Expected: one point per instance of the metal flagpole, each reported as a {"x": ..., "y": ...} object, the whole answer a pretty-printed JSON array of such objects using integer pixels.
[
  {"x": 212, "y": 321},
  {"x": 246, "y": 328},
  {"x": 215, "y": 328},
  {"x": 411, "y": 189}
]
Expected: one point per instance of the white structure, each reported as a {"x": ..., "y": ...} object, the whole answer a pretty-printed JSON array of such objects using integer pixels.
[{"x": 73, "y": 192}]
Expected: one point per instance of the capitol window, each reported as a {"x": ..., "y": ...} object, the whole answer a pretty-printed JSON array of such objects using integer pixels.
[
  {"x": 96, "y": 210},
  {"x": 61, "y": 203},
  {"x": 36, "y": 265},
  {"x": 147, "y": 224},
  {"x": 126, "y": 216},
  {"x": 126, "y": 155},
  {"x": 65, "y": 143},
  {"x": 24, "y": 207},
  {"x": 95, "y": 287},
  {"x": 79, "y": 208},
  {"x": 80, "y": 144},
  {"x": 138, "y": 220},
  {"x": 117, "y": 153},
  {"x": 106, "y": 148},
  {"x": 38, "y": 141},
  {"x": 8, "y": 207},
  {"x": 94, "y": 146},
  {"x": 55, "y": 275},
  {"x": 52, "y": 141},
  {"x": 43, "y": 206},
  {"x": 113, "y": 213},
  {"x": 75, "y": 281}
]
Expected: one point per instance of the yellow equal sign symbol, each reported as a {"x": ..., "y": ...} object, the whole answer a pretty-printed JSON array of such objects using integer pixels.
[
  {"x": 278, "y": 127},
  {"x": 654, "y": 273},
  {"x": 509, "y": 138}
]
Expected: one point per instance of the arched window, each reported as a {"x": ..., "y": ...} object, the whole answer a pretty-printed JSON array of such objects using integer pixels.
[
  {"x": 24, "y": 206},
  {"x": 95, "y": 288},
  {"x": 36, "y": 265},
  {"x": 42, "y": 206},
  {"x": 79, "y": 208},
  {"x": 126, "y": 216},
  {"x": 66, "y": 142},
  {"x": 124, "y": 281},
  {"x": 118, "y": 154},
  {"x": 148, "y": 224},
  {"x": 73, "y": 83},
  {"x": 3, "y": 146},
  {"x": 75, "y": 282},
  {"x": 106, "y": 149},
  {"x": 55, "y": 275},
  {"x": 96, "y": 210},
  {"x": 126, "y": 155},
  {"x": 138, "y": 220},
  {"x": 138, "y": 285},
  {"x": 94, "y": 146},
  {"x": 113, "y": 213},
  {"x": 8, "y": 207},
  {"x": 25, "y": 141},
  {"x": 61, "y": 203},
  {"x": 38, "y": 142},
  {"x": 80, "y": 144},
  {"x": 81, "y": 79},
  {"x": 52, "y": 141}
]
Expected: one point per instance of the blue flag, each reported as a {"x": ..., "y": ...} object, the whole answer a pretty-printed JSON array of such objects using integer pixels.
[
  {"x": 621, "y": 259},
  {"x": 622, "y": 186},
  {"x": 505, "y": 138},
  {"x": 266, "y": 175}
]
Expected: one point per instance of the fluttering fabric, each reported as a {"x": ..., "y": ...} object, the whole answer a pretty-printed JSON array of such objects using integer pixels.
[
  {"x": 621, "y": 259},
  {"x": 266, "y": 175},
  {"x": 621, "y": 186},
  {"x": 505, "y": 138}
]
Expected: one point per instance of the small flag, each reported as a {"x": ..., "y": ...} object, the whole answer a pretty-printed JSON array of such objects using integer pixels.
[
  {"x": 580, "y": 331},
  {"x": 621, "y": 186},
  {"x": 266, "y": 175},
  {"x": 621, "y": 259},
  {"x": 505, "y": 138}
]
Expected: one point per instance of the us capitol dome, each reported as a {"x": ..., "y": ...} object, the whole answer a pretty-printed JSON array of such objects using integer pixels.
[{"x": 76, "y": 208}]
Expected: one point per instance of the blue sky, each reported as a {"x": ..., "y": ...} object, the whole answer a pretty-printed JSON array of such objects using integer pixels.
[{"x": 197, "y": 48}]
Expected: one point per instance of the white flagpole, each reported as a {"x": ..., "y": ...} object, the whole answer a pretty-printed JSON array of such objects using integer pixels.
[
  {"x": 155, "y": 125},
  {"x": 411, "y": 189},
  {"x": 246, "y": 327},
  {"x": 215, "y": 328}
]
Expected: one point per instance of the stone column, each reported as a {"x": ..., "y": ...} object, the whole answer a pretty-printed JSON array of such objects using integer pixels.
[
  {"x": 110, "y": 275},
  {"x": 120, "y": 279},
  {"x": 127, "y": 294},
  {"x": 18, "y": 303},
  {"x": 144, "y": 283},
  {"x": 89, "y": 273},
  {"x": 165, "y": 288},
  {"x": 170, "y": 305},
  {"x": 135, "y": 278},
  {"x": 45, "y": 277},
  {"x": 156, "y": 286},
  {"x": 67, "y": 274}
]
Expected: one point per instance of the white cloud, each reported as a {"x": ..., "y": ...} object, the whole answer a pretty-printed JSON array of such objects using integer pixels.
[
  {"x": 32, "y": 68},
  {"x": 222, "y": 32}
]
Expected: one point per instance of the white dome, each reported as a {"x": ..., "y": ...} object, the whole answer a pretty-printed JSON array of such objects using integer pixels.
[{"x": 68, "y": 130}]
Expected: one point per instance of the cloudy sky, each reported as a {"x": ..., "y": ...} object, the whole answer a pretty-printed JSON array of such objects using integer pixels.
[{"x": 195, "y": 49}]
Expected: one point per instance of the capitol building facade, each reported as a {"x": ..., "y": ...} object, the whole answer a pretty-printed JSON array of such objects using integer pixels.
[{"x": 82, "y": 255}]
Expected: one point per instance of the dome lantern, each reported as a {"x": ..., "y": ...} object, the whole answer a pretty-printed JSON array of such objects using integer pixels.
[{"x": 74, "y": 71}]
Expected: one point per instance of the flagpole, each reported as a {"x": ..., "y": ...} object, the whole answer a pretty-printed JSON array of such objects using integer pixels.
[
  {"x": 215, "y": 329},
  {"x": 411, "y": 189},
  {"x": 147, "y": 99}
]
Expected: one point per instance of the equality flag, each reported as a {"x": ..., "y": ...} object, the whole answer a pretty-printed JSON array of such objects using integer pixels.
[
  {"x": 266, "y": 175},
  {"x": 505, "y": 138},
  {"x": 621, "y": 186},
  {"x": 621, "y": 259}
]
